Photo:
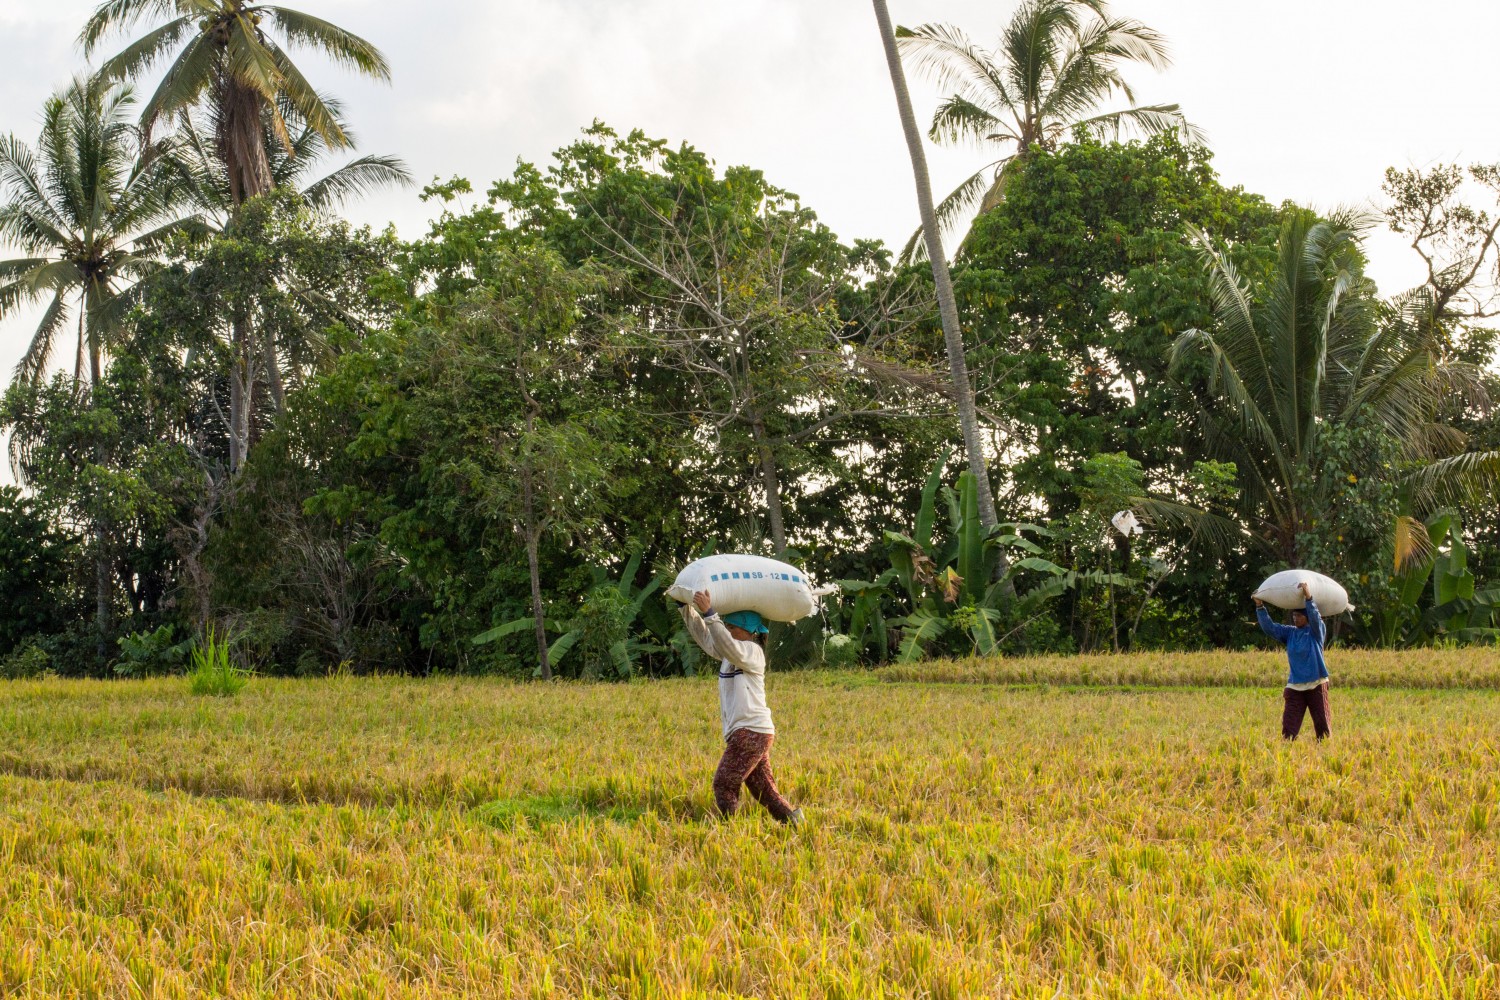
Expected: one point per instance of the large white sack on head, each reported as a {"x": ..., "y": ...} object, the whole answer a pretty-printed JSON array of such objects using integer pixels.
[
  {"x": 775, "y": 590},
  {"x": 1280, "y": 590}
]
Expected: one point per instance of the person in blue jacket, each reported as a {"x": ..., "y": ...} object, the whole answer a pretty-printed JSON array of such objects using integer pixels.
[{"x": 1307, "y": 677}]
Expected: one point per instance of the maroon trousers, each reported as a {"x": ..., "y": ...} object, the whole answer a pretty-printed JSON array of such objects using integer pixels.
[
  {"x": 1298, "y": 704},
  {"x": 747, "y": 761}
]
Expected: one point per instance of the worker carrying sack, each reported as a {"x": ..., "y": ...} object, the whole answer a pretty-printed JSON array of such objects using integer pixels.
[
  {"x": 774, "y": 590},
  {"x": 1280, "y": 591}
]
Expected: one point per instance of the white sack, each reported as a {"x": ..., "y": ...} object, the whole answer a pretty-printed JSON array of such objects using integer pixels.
[
  {"x": 1280, "y": 590},
  {"x": 777, "y": 591},
  {"x": 1126, "y": 524}
]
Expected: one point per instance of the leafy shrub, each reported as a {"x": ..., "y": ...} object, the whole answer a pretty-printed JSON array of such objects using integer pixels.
[
  {"x": 74, "y": 651},
  {"x": 214, "y": 672},
  {"x": 151, "y": 654},
  {"x": 24, "y": 663},
  {"x": 840, "y": 651}
]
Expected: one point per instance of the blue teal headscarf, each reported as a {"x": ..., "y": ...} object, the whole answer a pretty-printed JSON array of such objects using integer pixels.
[{"x": 750, "y": 621}]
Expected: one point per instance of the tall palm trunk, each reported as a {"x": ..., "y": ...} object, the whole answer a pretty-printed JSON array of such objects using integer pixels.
[
  {"x": 243, "y": 149},
  {"x": 102, "y": 573},
  {"x": 958, "y": 369},
  {"x": 242, "y": 143}
]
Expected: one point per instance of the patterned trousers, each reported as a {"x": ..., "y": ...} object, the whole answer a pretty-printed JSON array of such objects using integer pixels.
[
  {"x": 747, "y": 761},
  {"x": 1300, "y": 703}
]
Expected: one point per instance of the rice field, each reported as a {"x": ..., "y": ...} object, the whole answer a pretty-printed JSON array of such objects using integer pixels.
[{"x": 1115, "y": 827}]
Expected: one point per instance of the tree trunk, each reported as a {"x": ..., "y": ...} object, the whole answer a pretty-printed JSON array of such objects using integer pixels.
[
  {"x": 241, "y": 394},
  {"x": 82, "y": 342},
  {"x": 101, "y": 554},
  {"x": 273, "y": 372},
  {"x": 771, "y": 480},
  {"x": 963, "y": 393},
  {"x": 242, "y": 143},
  {"x": 533, "y": 542}
]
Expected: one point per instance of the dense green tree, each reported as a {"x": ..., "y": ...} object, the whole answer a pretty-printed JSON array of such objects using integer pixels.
[
  {"x": 1056, "y": 64},
  {"x": 1076, "y": 287},
  {"x": 34, "y": 562},
  {"x": 104, "y": 467},
  {"x": 665, "y": 219}
]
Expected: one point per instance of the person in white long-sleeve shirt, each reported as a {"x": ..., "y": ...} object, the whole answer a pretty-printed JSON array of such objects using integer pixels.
[{"x": 748, "y": 730}]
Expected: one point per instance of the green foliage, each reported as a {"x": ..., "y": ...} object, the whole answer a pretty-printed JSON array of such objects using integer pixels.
[
  {"x": 1077, "y": 282},
  {"x": 214, "y": 671},
  {"x": 840, "y": 651},
  {"x": 149, "y": 654},
  {"x": 616, "y": 632},
  {"x": 34, "y": 568},
  {"x": 1307, "y": 355},
  {"x": 24, "y": 663}
]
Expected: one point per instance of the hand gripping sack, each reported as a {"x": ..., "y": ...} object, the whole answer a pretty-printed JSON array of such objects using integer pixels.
[
  {"x": 1280, "y": 590},
  {"x": 775, "y": 590}
]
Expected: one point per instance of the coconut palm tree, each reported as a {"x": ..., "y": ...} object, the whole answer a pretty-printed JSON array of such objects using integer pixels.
[
  {"x": 86, "y": 208},
  {"x": 227, "y": 55},
  {"x": 227, "y": 58},
  {"x": 1057, "y": 63},
  {"x": 1314, "y": 350},
  {"x": 963, "y": 392}
]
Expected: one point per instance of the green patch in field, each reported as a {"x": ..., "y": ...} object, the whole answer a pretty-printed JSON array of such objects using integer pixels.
[{"x": 540, "y": 810}]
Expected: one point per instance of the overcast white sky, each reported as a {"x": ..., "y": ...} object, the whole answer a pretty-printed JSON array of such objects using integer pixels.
[{"x": 1303, "y": 99}]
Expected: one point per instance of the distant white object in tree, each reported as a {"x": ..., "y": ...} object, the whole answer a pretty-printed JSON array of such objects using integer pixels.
[
  {"x": 1280, "y": 590},
  {"x": 777, "y": 591},
  {"x": 1126, "y": 524}
]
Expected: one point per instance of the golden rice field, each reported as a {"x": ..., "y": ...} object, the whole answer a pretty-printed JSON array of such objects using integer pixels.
[{"x": 1036, "y": 831}]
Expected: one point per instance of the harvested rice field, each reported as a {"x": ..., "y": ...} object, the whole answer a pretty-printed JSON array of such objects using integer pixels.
[{"x": 1114, "y": 827}]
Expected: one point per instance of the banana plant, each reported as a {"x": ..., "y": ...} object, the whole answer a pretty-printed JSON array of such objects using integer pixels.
[
  {"x": 1459, "y": 608},
  {"x": 867, "y": 625},
  {"x": 624, "y": 653}
]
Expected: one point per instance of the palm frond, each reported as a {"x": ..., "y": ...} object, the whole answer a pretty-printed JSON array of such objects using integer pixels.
[
  {"x": 958, "y": 119},
  {"x": 343, "y": 47},
  {"x": 1153, "y": 119},
  {"x": 354, "y": 180},
  {"x": 1033, "y": 43},
  {"x": 947, "y": 57},
  {"x": 189, "y": 76},
  {"x": 1411, "y": 542},
  {"x": 140, "y": 56},
  {"x": 30, "y": 220},
  {"x": 311, "y": 107},
  {"x": 1470, "y": 478},
  {"x": 120, "y": 15},
  {"x": 33, "y": 363},
  {"x": 1126, "y": 39},
  {"x": 950, "y": 212},
  {"x": 1219, "y": 533}
]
